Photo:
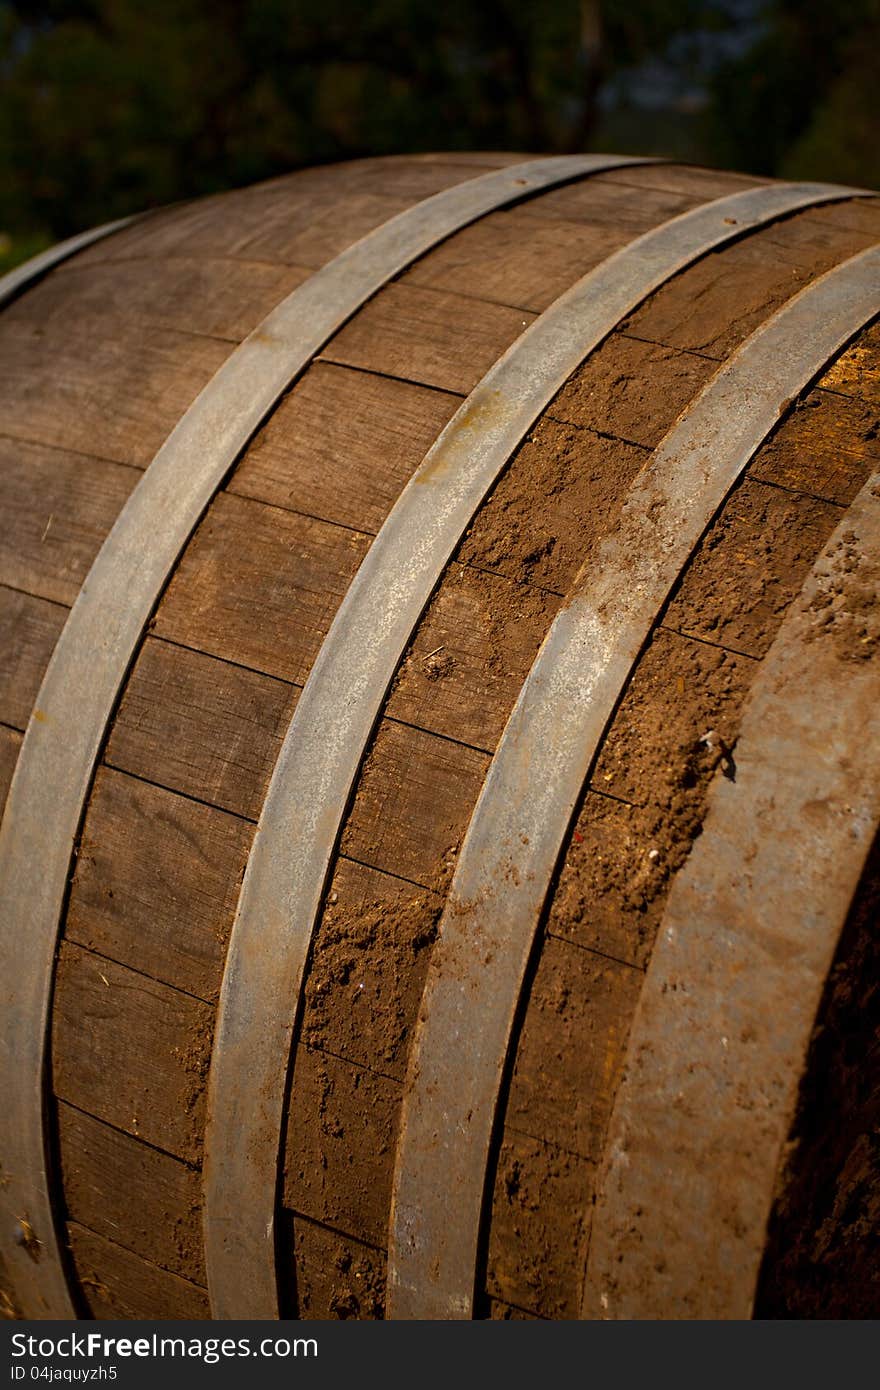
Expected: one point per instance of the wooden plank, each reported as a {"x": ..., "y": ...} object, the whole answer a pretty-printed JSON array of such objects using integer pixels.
[
  {"x": 632, "y": 389},
  {"x": 9, "y": 1309},
  {"x": 539, "y": 1227},
  {"x": 342, "y": 445},
  {"x": 29, "y": 629},
  {"x": 859, "y": 214},
  {"x": 571, "y": 1047},
  {"x": 130, "y": 1051},
  {"x": 200, "y": 726},
  {"x": 712, "y": 307},
  {"x": 344, "y": 203},
  {"x": 260, "y": 586},
  {"x": 368, "y": 964},
  {"x": 516, "y": 258},
  {"x": 529, "y": 255},
  {"x": 10, "y": 742},
  {"x": 91, "y": 386},
  {"x": 133, "y": 1195},
  {"x": 427, "y": 336},
  {"x": 750, "y": 565},
  {"x": 684, "y": 179},
  {"x": 581, "y": 478},
  {"x": 156, "y": 882},
  {"x": 339, "y": 1147},
  {"x": 274, "y": 220},
  {"x": 627, "y": 205},
  {"x": 58, "y": 509},
  {"x": 471, "y": 653},
  {"x": 117, "y": 1284},
  {"x": 415, "y": 797},
  {"x": 826, "y": 446},
  {"x": 188, "y": 294},
  {"x": 334, "y": 1276}
]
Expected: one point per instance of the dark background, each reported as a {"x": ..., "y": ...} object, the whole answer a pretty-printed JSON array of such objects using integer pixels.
[{"x": 111, "y": 106}]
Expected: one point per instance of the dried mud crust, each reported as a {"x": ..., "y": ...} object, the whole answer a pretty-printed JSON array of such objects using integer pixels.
[
  {"x": 580, "y": 478},
  {"x": 674, "y": 730},
  {"x": 823, "y": 1251},
  {"x": 845, "y": 607},
  {"x": 369, "y": 960},
  {"x": 751, "y": 565},
  {"x": 367, "y": 970},
  {"x": 333, "y": 1277},
  {"x": 472, "y": 651},
  {"x": 528, "y": 1265}
]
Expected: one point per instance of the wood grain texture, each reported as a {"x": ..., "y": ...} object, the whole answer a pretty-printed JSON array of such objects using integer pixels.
[
  {"x": 201, "y": 727},
  {"x": 172, "y": 922},
  {"x": 471, "y": 654},
  {"x": 131, "y": 1194},
  {"x": 856, "y": 373},
  {"x": 371, "y": 430},
  {"x": 528, "y": 255},
  {"x": 91, "y": 385},
  {"x": 118, "y": 1284},
  {"x": 684, "y": 180},
  {"x": 260, "y": 586},
  {"x": 427, "y": 336},
  {"x": 413, "y": 802},
  {"x": 130, "y": 1051},
  {"x": 697, "y": 312},
  {"x": 29, "y": 629},
  {"x": 825, "y": 448},
  {"x": 515, "y": 258},
  {"x": 182, "y": 293},
  {"x": 97, "y": 364},
  {"x": 629, "y": 200},
  {"x": 58, "y": 508},
  {"x": 306, "y": 217},
  {"x": 10, "y": 742}
]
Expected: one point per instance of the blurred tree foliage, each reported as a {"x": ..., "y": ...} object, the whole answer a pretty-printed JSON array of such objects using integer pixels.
[
  {"x": 803, "y": 101},
  {"x": 107, "y": 106}
]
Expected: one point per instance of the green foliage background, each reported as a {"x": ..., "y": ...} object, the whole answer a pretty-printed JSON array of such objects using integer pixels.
[{"x": 110, "y": 106}]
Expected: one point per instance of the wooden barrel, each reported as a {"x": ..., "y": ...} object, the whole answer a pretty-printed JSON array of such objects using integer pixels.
[{"x": 440, "y": 742}]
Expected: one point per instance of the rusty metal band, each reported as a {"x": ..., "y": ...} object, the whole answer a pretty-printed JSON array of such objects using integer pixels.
[
  {"x": 316, "y": 769},
  {"x": 538, "y": 774},
  {"x": 23, "y": 276},
  {"x": 98, "y": 643},
  {"x": 723, "y": 1027}
]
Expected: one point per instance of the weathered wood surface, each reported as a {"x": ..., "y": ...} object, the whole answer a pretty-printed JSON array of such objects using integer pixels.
[
  {"x": 118, "y": 1284},
  {"x": 372, "y": 430},
  {"x": 201, "y": 726},
  {"x": 174, "y": 924},
  {"x": 131, "y": 1194},
  {"x": 130, "y": 1051},
  {"x": 10, "y": 742},
  {"x": 29, "y": 629},
  {"x": 98, "y": 363},
  {"x": 57, "y": 509},
  {"x": 260, "y": 586}
]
